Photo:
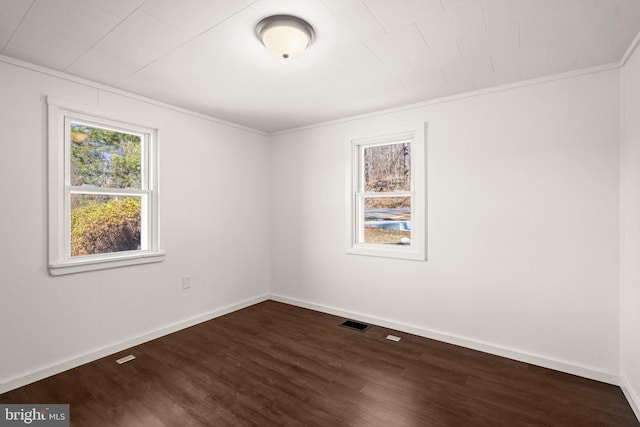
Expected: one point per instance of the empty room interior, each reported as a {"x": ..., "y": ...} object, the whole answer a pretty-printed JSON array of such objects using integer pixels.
[{"x": 196, "y": 194}]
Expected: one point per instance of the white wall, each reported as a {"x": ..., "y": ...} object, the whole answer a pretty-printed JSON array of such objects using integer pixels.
[
  {"x": 214, "y": 201},
  {"x": 522, "y": 225},
  {"x": 630, "y": 231}
]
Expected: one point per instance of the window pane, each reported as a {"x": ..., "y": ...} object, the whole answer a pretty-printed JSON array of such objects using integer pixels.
[
  {"x": 104, "y": 224},
  {"x": 104, "y": 158},
  {"x": 387, "y": 220},
  {"x": 387, "y": 167}
]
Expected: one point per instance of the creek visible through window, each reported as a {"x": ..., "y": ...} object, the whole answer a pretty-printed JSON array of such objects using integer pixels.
[{"x": 387, "y": 197}]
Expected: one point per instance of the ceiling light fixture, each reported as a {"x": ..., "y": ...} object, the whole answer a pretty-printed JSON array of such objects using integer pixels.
[{"x": 285, "y": 36}]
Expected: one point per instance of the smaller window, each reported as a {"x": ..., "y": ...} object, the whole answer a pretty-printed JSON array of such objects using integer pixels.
[
  {"x": 103, "y": 191},
  {"x": 387, "y": 195}
]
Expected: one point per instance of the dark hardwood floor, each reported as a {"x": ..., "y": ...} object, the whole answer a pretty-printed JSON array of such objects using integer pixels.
[{"x": 276, "y": 365}]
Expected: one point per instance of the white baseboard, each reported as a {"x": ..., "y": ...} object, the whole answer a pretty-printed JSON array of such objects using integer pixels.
[
  {"x": 631, "y": 395},
  {"x": 62, "y": 366},
  {"x": 606, "y": 377},
  {"x": 65, "y": 365}
]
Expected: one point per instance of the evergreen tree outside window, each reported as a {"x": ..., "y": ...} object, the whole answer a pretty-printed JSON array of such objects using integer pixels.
[{"x": 103, "y": 193}]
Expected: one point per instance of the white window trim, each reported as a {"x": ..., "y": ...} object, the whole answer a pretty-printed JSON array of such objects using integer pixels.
[
  {"x": 417, "y": 251},
  {"x": 60, "y": 260}
]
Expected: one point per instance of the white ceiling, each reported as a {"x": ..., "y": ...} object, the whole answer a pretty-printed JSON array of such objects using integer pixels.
[{"x": 203, "y": 55}]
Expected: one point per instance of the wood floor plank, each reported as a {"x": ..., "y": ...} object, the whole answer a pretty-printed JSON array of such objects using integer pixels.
[{"x": 273, "y": 364}]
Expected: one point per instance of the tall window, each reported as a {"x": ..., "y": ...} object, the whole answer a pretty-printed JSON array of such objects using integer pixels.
[
  {"x": 387, "y": 195},
  {"x": 103, "y": 191}
]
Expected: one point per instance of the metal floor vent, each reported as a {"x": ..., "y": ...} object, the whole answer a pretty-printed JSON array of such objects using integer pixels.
[{"x": 356, "y": 326}]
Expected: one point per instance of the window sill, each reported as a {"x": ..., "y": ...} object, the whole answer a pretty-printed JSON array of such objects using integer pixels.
[
  {"x": 388, "y": 251},
  {"x": 102, "y": 262}
]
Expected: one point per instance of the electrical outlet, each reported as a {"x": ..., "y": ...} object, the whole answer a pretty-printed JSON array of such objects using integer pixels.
[{"x": 186, "y": 282}]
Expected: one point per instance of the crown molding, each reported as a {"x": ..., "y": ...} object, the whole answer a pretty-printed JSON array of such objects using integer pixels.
[{"x": 110, "y": 89}]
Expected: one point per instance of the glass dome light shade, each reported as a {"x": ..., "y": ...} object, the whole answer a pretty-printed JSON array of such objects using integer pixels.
[{"x": 285, "y": 36}]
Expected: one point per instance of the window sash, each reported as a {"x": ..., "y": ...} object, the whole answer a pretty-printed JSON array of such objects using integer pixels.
[
  {"x": 362, "y": 195},
  {"x": 145, "y": 219},
  {"x": 145, "y": 141},
  {"x": 361, "y": 220},
  {"x": 144, "y": 193},
  {"x": 361, "y": 166}
]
